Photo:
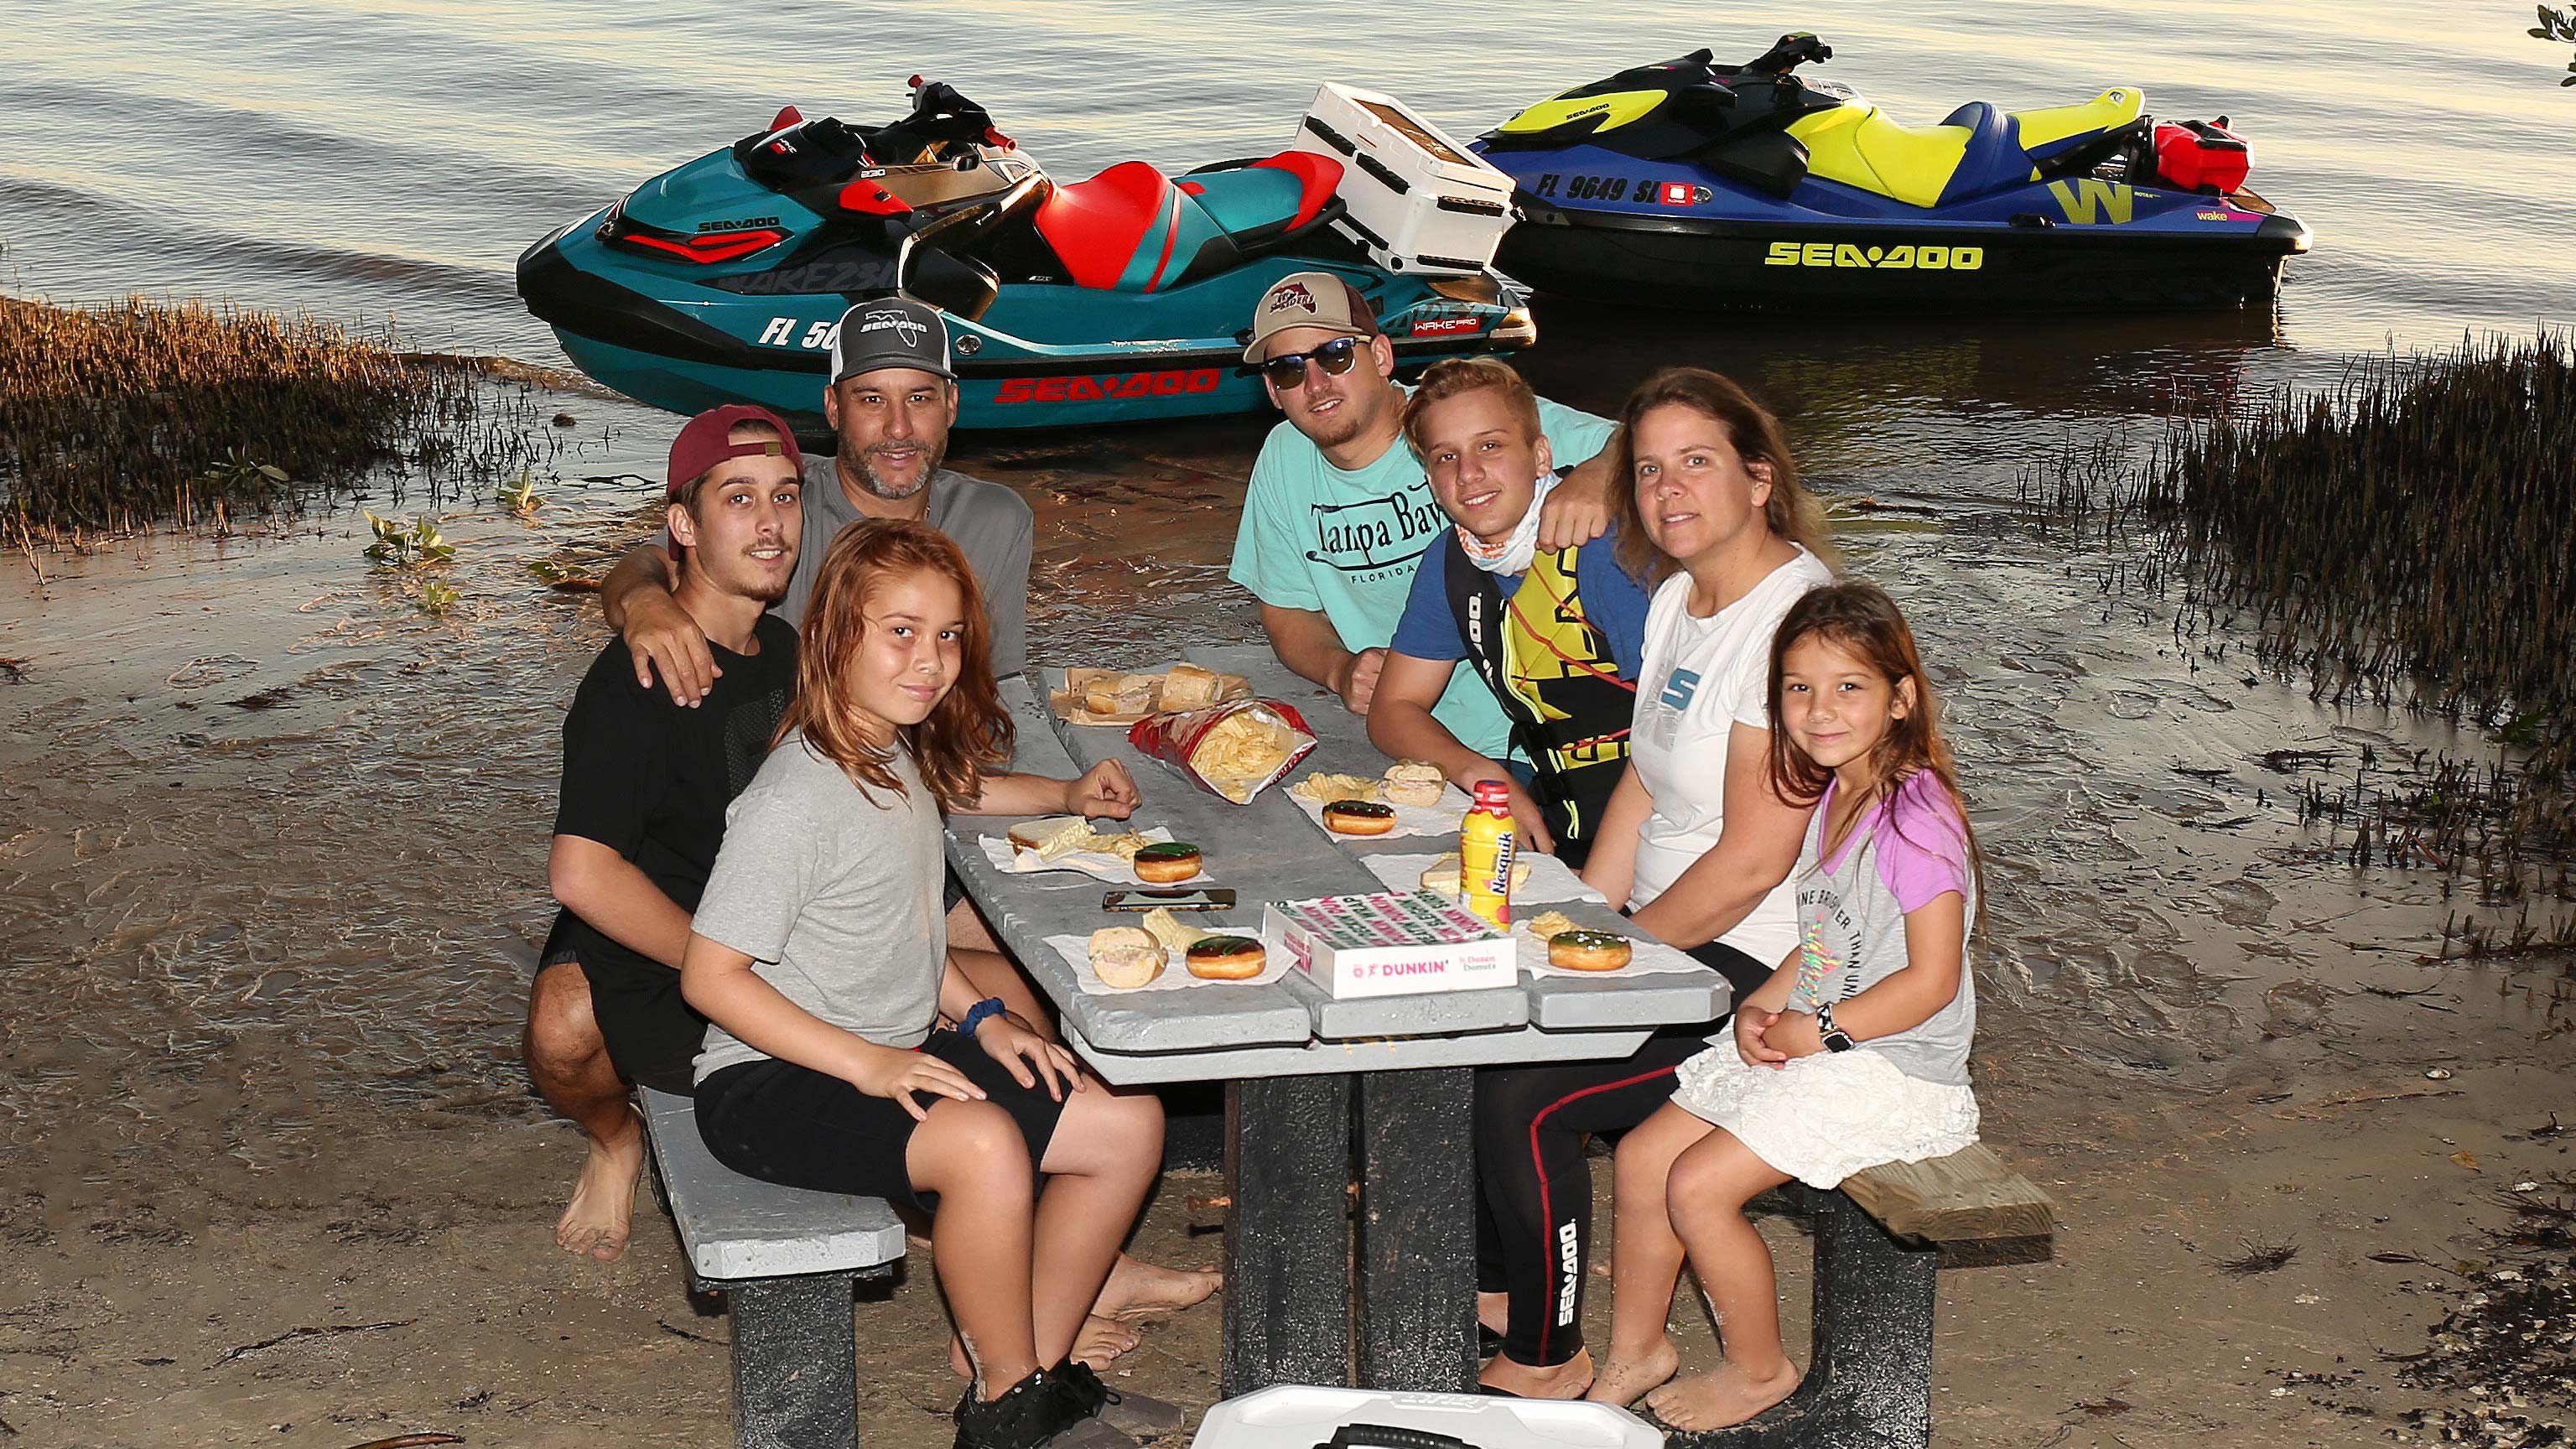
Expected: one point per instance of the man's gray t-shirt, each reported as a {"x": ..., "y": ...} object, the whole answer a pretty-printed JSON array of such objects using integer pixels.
[
  {"x": 989, "y": 523},
  {"x": 834, "y": 895}
]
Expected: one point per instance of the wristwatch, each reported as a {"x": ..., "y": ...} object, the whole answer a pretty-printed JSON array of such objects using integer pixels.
[
  {"x": 1834, "y": 1037},
  {"x": 989, "y": 1006}
]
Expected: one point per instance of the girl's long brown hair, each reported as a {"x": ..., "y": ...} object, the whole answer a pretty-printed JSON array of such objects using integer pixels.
[
  {"x": 1862, "y": 619},
  {"x": 966, "y": 735},
  {"x": 1792, "y": 511}
]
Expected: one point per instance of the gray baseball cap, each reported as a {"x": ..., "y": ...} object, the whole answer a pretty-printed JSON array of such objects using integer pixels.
[{"x": 891, "y": 332}]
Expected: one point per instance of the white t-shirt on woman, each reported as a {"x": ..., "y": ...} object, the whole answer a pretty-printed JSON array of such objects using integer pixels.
[{"x": 1702, "y": 678}]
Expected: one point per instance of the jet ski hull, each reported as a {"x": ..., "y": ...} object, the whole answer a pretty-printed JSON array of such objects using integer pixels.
[
  {"x": 1038, "y": 355},
  {"x": 1827, "y": 265}
]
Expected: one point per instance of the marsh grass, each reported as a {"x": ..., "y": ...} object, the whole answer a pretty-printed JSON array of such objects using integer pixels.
[
  {"x": 2399, "y": 538},
  {"x": 140, "y": 412}
]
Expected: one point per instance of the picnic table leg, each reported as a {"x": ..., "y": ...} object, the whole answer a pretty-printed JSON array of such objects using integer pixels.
[
  {"x": 1287, "y": 1239},
  {"x": 1873, "y": 1324},
  {"x": 1418, "y": 1230},
  {"x": 795, "y": 1363}
]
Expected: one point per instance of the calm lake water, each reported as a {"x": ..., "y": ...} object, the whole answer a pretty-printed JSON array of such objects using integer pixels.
[{"x": 392, "y": 159}]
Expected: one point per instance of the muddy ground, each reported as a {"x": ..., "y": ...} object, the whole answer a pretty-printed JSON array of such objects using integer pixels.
[{"x": 271, "y": 849}]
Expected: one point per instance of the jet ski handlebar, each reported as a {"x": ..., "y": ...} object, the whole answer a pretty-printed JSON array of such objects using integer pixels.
[{"x": 1788, "y": 53}]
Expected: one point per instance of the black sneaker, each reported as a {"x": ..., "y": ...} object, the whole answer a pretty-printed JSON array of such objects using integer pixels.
[
  {"x": 1133, "y": 1415},
  {"x": 1027, "y": 1415}
]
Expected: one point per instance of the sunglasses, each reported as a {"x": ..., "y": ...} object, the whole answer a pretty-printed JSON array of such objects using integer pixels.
[{"x": 1287, "y": 372}]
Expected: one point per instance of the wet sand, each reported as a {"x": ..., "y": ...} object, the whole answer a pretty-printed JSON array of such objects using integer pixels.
[{"x": 271, "y": 863}]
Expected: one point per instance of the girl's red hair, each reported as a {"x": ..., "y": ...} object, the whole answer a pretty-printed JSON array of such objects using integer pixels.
[{"x": 968, "y": 733}]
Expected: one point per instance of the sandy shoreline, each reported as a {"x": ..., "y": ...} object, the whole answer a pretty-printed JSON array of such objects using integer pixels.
[{"x": 271, "y": 861}]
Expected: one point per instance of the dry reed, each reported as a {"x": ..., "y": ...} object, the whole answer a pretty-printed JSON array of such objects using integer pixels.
[{"x": 141, "y": 411}]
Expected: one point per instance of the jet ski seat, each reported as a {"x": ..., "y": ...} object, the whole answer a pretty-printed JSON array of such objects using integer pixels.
[
  {"x": 1133, "y": 229},
  {"x": 2045, "y": 135},
  {"x": 1992, "y": 161},
  {"x": 1099, "y": 226},
  {"x": 1862, "y": 146}
]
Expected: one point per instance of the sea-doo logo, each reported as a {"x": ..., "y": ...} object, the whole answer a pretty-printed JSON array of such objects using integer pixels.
[
  {"x": 746, "y": 224},
  {"x": 1897, "y": 258},
  {"x": 1106, "y": 385},
  {"x": 1569, "y": 1263},
  {"x": 903, "y": 324},
  {"x": 1291, "y": 294}
]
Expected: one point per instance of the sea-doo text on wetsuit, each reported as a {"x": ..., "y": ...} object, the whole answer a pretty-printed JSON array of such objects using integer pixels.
[{"x": 1558, "y": 678}]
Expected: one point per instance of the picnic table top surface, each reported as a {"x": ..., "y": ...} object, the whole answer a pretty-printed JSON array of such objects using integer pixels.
[{"x": 1270, "y": 850}]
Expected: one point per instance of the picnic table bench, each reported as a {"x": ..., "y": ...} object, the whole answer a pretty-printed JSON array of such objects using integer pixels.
[{"x": 1302, "y": 1072}]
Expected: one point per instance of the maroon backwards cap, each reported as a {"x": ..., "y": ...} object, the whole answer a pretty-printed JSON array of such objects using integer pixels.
[{"x": 707, "y": 440}]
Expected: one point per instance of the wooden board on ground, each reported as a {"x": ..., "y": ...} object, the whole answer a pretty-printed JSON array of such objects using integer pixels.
[{"x": 1967, "y": 1195}]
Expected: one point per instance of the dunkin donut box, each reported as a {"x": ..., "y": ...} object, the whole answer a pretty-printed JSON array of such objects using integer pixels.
[{"x": 1396, "y": 944}]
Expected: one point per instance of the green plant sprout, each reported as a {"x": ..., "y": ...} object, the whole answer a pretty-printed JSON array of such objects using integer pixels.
[
  {"x": 521, "y": 497},
  {"x": 400, "y": 545}
]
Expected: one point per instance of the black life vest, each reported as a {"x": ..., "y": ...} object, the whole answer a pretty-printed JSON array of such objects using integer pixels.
[{"x": 1553, "y": 670}]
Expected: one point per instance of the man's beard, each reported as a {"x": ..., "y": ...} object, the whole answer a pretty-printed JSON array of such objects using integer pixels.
[{"x": 856, "y": 465}]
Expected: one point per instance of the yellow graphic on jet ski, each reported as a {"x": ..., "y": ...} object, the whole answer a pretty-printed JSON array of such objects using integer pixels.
[{"x": 1614, "y": 110}]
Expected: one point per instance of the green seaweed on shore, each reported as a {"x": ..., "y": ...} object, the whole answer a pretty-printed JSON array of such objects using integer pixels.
[
  {"x": 2399, "y": 538},
  {"x": 116, "y": 416}
]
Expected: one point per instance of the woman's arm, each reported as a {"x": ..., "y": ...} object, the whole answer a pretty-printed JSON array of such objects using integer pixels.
[
  {"x": 719, "y": 981},
  {"x": 1612, "y": 867},
  {"x": 1754, "y": 853}
]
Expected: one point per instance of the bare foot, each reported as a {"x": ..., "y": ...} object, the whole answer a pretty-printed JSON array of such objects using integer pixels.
[
  {"x": 1100, "y": 1341},
  {"x": 1566, "y": 1380},
  {"x": 1139, "y": 1291},
  {"x": 1631, "y": 1376},
  {"x": 1727, "y": 1395},
  {"x": 1494, "y": 1311},
  {"x": 598, "y": 1218}
]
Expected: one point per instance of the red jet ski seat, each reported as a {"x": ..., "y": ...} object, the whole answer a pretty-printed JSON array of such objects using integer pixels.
[{"x": 1133, "y": 229}]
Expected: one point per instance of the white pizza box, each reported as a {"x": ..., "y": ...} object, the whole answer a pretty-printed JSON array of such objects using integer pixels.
[
  {"x": 1292, "y": 1416},
  {"x": 1399, "y": 943},
  {"x": 1416, "y": 199}
]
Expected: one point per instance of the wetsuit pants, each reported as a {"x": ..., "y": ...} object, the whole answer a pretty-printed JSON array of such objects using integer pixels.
[{"x": 1535, "y": 1232}]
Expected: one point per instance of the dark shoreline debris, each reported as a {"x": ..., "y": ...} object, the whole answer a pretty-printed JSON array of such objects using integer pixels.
[
  {"x": 291, "y": 1335},
  {"x": 2259, "y": 1258}
]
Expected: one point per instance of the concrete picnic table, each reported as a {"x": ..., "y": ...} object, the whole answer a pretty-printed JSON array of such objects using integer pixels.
[{"x": 1298, "y": 1063}]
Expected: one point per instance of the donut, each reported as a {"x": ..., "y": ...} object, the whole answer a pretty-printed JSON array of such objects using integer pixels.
[
  {"x": 1227, "y": 958},
  {"x": 1125, "y": 956},
  {"x": 1167, "y": 862},
  {"x": 1581, "y": 950},
  {"x": 1359, "y": 817}
]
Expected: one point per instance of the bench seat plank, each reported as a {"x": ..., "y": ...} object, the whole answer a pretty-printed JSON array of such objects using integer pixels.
[
  {"x": 736, "y": 1228},
  {"x": 1969, "y": 1195}
]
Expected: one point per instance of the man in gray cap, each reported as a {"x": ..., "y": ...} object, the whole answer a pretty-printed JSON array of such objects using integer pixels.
[{"x": 891, "y": 400}]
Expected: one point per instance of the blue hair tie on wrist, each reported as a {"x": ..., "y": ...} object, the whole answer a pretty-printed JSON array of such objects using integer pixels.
[{"x": 989, "y": 1006}]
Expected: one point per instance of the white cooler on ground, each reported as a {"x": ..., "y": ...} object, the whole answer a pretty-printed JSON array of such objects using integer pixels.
[
  {"x": 1293, "y": 1417},
  {"x": 1417, "y": 200}
]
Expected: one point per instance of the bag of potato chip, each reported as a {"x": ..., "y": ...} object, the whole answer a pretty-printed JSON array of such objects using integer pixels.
[{"x": 1234, "y": 750}]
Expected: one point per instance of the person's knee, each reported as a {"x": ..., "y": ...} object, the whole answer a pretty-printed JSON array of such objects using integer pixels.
[
  {"x": 970, "y": 1145},
  {"x": 1708, "y": 1177},
  {"x": 562, "y": 1035},
  {"x": 1134, "y": 1121}
]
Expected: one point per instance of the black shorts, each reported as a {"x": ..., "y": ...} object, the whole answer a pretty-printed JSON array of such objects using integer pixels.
[
  {"x": 652, "y": 1032},
  {"x": 787, "y": 1124}
]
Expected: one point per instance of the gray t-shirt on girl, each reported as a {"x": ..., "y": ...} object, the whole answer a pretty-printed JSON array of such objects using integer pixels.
[
  {"x": 1907, "y": 850},
  {"x": 835, "y": 896}
]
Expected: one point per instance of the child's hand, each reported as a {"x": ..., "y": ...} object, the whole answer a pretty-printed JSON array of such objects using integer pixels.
[
  {"x": 1029, "y": 1056},
  {"x": 1752, "y": 1033},
  {"x": 894, "y": 1072},
  {"x": 1106, "y": 789},
  {"x": 1795, "y": 1034}
]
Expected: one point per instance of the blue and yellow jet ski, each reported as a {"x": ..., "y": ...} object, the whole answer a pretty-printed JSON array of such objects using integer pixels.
[
  {"x": 1119, "y": 298},
  {"x": 1703, "y": 184}
]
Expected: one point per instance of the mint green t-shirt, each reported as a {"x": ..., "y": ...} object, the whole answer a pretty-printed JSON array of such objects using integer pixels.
[{"x": 1346, "y": 545}]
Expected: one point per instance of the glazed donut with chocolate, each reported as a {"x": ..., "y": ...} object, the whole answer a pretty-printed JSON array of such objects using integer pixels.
[
  {"x": 1359, "y": 817},
  {"x": 1581, "y": 950},
  {"x": 1226, "y": 958},
  {"x": 1167, "y": 861}
]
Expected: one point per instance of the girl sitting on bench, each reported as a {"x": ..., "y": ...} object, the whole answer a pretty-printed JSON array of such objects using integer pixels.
[
  {"x": 1853, "y": 1054},
  {"x": 819, "y": 954}
]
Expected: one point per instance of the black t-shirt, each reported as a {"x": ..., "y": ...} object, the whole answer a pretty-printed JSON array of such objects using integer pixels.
[{"x": 650, "y": 779}]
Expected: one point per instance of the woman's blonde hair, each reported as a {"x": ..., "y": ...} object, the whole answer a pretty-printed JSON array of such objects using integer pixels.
[
  {"x": 968, "y": 733},
  {"x": 1792, "y": 511}
]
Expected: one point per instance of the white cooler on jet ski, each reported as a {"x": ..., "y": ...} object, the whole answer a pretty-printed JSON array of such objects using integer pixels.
[
  {"x": 1418, "y": 201},
  {"x": 1294, "y": 1417}
]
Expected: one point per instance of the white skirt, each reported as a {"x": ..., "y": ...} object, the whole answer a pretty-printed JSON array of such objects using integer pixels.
[{"x": 1823, "y": 1117}]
